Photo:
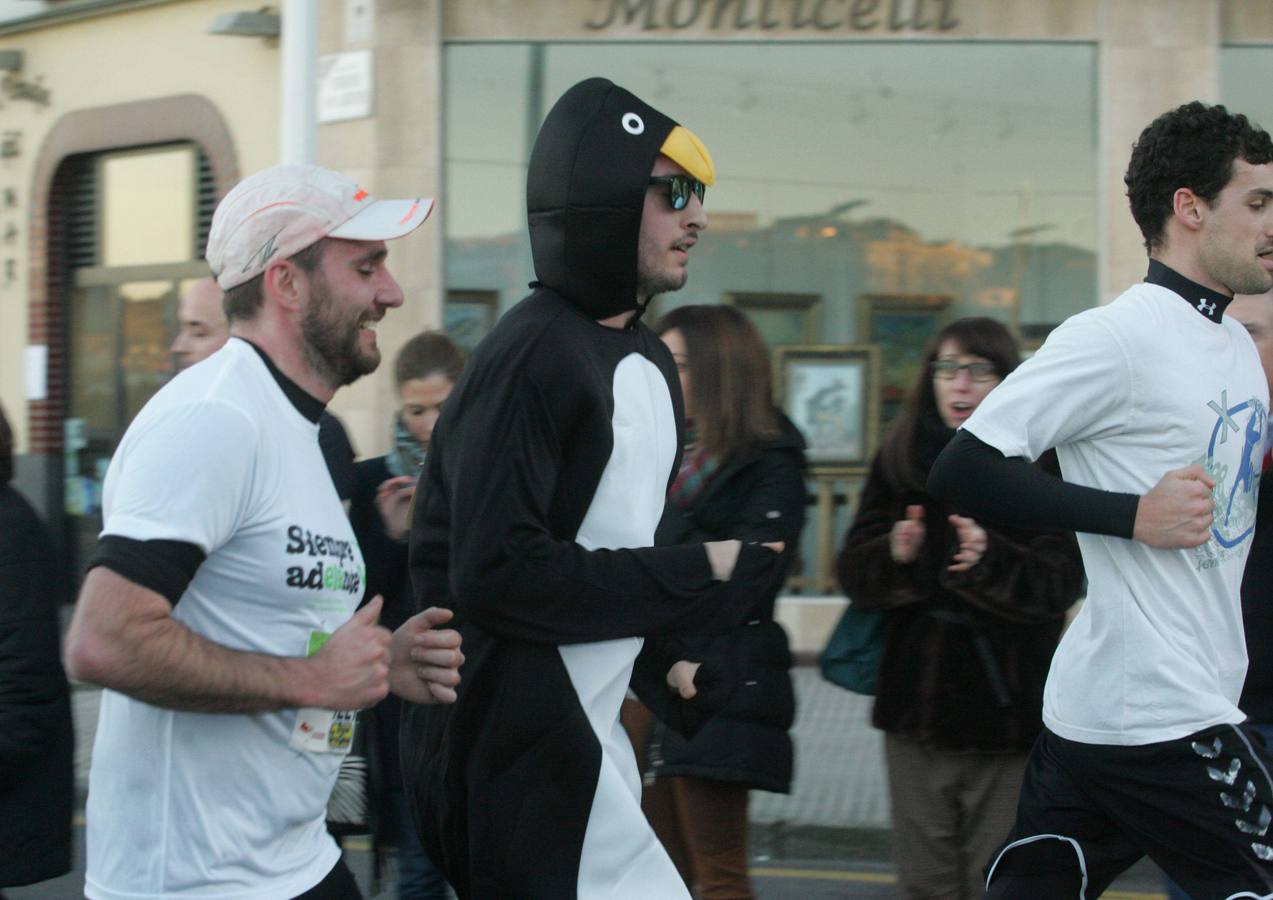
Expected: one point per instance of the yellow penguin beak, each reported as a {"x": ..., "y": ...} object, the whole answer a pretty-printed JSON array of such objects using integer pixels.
[{"x": 685, "y": 149}]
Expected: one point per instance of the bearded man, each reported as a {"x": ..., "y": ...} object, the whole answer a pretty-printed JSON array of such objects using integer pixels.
[{"x": 219, "y": 609}]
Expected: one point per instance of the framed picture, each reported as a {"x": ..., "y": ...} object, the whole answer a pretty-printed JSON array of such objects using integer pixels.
[
  {"x": 900, "y": 325},
  {"x": 829, "y": 392},
  {"x": 781, "y": 319}
]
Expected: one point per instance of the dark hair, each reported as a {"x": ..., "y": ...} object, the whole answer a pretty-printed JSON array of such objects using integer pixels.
[
  {"x": 976, "y": 336},
  {"x": 6, "y": 449},
  {"x": 1193, "y": 146},
  {"x": 733, "y": 400},
  {"x": 243, "y": 301},
  {"x": 429, "y": 353}
]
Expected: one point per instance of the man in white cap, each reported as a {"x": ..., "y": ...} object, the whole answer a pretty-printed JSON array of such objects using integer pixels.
[{"x": 219, "y": 609}]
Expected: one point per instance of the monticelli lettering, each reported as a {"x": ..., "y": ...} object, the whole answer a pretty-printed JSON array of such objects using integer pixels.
[{"x": 863, "y": 16}]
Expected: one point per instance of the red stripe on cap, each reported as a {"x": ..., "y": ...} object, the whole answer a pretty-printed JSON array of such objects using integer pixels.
[
  {"x": 361, "y": 195},
  {"x": 259, "y": 210},
  {"x": 410, "y": 213}
]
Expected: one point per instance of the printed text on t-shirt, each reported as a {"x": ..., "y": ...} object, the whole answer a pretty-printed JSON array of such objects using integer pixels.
[{"x": 323, "y": 574}]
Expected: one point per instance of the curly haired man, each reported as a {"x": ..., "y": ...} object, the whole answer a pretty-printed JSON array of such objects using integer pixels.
[{"x": 1157, "y": 407}]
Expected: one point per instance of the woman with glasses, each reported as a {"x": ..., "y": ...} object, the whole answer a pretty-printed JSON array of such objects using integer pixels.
[{"x": 973, "y": 614}]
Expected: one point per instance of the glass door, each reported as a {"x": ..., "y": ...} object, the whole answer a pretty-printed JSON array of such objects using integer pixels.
[{"x": 121, "y": 323}]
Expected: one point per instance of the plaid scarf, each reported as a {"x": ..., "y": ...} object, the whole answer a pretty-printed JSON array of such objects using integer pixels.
[
  {"x": 696, "y": 471},
  {"x": 407, "y": 456}
]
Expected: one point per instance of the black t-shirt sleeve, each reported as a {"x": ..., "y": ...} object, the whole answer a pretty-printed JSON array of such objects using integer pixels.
[
  {"x": 338, "y": 453},
  {"x": 979, "y": 480},
  {"x": 165, "y": 567}
]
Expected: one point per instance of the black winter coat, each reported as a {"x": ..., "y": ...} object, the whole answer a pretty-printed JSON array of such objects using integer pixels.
[
  {"x": 36, "y": 743},
  {"x": 759, "y": 496},
  {"x": 1257, "y": 611},
  {"x": 386, "y": 562}
]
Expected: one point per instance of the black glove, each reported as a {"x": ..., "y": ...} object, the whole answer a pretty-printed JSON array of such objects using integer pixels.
[{"x": 715, "y": 683}]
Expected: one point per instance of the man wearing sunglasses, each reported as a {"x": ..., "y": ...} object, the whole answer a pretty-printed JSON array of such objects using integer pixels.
[{"x": 547, "y": 474}]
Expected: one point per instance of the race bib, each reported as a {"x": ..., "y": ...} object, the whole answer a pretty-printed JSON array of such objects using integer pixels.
[{"x": 322, "y": 730}]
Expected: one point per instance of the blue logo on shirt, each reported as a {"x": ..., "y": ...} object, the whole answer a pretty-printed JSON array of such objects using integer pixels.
[{"x": 1236, "y": 497}]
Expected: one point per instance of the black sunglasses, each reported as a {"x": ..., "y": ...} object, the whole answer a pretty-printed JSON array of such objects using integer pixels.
[{"x": 679, "y": 188}]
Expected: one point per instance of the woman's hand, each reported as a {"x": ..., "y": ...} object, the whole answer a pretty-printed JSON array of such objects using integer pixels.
[
  {"x": 680, "y": 678},
  {"x": 907, "y": 536},
  {"x": 972, "y": 543},
  {"x": 393, "y": 499}
]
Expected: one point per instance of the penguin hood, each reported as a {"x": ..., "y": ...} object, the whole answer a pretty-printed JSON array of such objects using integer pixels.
[{"x": 585, "y": 191}]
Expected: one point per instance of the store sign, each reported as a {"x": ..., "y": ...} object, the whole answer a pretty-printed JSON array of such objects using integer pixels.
[
  {"x": 35, "y": 367},
  {"x": 861, "y": 16},
  {"x": 359, "y": 21},
  {"x": 345, "y": 86},
  {"x": 10, "y": 147},
  {"x": 15, "y": 87}
]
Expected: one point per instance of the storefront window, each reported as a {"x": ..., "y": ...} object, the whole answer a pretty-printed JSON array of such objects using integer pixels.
[
  {"x": 845, "y": 170},
  {"x": 148, "y": 206},
  {"x": 867, "y": 193},
  {"x": 1245, "y": 74}
]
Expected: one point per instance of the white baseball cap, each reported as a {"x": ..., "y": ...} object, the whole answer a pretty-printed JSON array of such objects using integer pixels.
[{"x": 280, "y": 211}]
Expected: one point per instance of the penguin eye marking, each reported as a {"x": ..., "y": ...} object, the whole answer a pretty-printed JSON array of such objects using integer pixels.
[{"x": 632, "y": 123}]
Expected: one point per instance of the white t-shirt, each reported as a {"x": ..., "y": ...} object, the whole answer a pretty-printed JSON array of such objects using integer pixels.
[
  {"x": 1126, "y": 393},
  {"x": 185, "y": 804}
]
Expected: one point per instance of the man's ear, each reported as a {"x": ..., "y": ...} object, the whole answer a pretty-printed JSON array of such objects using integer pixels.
[
  {"x": 282, "y": 284},
  {"x": 1188, "y": 208}
]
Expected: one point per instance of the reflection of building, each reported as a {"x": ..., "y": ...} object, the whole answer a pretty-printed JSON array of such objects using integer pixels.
[
  {"x": 925, "y": 161},
  {"x": 824, "y": 277},
  {"x": 902, "y": 263}
]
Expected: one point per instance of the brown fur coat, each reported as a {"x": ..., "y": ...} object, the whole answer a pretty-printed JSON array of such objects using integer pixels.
[{"x": 965, "y": 654}]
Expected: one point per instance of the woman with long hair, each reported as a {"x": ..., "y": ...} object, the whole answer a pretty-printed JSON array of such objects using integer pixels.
[
  {"x": 973, "y": 615},
  {"x": 741, "y": 477}
]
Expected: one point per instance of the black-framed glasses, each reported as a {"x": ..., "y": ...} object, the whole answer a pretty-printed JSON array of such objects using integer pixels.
[
  {"x": 947, "y": 369},
  {"x": 679, "y": 188}
]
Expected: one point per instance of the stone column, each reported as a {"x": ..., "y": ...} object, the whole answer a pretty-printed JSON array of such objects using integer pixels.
[
  {"x": 1154, "y": 56},
  {"x": 394, "y": 153}
]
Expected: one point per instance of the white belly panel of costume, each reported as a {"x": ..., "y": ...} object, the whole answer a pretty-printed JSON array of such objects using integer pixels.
[{"x": 621, "y": 856}]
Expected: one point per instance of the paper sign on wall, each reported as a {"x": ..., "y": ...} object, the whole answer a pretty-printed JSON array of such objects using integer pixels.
[
  {"x": 359, "y": 15},
  {"x": 36, "y": 374},
  {"x": 345, "y": 88}
]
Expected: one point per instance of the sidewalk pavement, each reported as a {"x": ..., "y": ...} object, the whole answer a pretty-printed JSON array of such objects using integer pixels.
[{"x": 838, "y": 803}]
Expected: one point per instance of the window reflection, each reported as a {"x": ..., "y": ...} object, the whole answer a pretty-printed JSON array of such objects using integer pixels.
[
  {"x": 148, "y": 206},
  {"x": 149, "y": 309},
  {"x": 960, "y": 169},
  {"x": 1245, "y": 75},
  {"x": 866, "y": 193}
]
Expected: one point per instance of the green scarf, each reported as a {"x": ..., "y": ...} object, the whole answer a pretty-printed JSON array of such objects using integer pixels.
[
  {"x": 695, "y": 472},
  {"x": 407, "y": 455}
]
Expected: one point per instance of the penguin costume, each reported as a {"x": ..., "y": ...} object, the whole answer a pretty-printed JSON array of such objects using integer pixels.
[{"x": 535, "y": 518}]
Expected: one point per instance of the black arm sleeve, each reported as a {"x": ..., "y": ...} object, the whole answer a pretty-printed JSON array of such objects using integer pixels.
[
  {"x": 165, "y": 567},
  {"x": 977, "y": 479}
]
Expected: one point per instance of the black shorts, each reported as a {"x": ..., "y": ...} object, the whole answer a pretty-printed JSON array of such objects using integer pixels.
[
  {"x": 1201, "y": 807},
  {"x": 338, "y": 885}
]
